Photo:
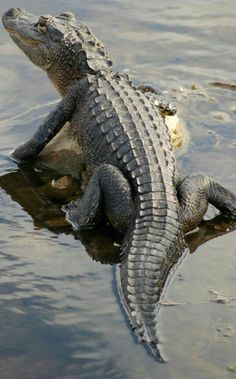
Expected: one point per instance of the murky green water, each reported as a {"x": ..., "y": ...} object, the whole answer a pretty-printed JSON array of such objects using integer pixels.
[{"x": 60, "y": 317}]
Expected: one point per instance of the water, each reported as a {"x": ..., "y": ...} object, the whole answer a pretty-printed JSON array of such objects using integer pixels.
[{"x": 60, "y": 317}]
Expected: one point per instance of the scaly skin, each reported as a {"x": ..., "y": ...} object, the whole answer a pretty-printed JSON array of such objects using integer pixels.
[{"x": 128, "y": 152}]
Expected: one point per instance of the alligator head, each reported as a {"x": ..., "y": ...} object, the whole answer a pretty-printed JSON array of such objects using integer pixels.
[{"x": 60, "y": 45}]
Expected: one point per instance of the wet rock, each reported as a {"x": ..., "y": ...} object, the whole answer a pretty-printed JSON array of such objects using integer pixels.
[
  {"x": 57, "y": 222},
  {"x": 232, "y": 368},
  {"x": 64, "y": 183},
  {"x": 176, "y": 131},
  {"x": 62, "y": 188},
  {"x": 63, "y": 154}
]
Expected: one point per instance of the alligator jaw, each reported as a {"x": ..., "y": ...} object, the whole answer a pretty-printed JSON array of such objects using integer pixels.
[{"x": 26, "y": 41}]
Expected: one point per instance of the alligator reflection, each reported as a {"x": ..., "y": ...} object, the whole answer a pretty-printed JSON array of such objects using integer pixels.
[{"x": 34, "y": 192}]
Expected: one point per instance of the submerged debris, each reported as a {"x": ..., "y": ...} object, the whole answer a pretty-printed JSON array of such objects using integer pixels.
[
  {"x": 221, "y": 299},
  {"x": 194, "y": 86},
  {"x": 224, "y": 85},
  {"x": 168, "y": 303},
  {"x": 221, "y": 116}
]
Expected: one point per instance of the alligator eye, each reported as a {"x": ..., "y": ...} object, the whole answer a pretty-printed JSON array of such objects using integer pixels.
[
  {"x": 42, "y": 24},
  {"x": 41, "y": 29}
]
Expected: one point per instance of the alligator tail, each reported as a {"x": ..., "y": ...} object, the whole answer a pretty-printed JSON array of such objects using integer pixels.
[{"x": 150, "y": 249}]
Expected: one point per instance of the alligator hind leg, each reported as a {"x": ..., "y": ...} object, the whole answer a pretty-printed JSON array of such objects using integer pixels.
[
  {"x": 195, "y": 192},
  {"x": 108, "y": 190}
]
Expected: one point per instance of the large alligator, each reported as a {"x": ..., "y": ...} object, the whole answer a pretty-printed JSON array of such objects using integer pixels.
[{"x": 126, "y": 144}]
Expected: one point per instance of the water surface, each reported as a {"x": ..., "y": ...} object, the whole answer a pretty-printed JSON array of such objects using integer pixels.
[{"x": 60, "y": 316}]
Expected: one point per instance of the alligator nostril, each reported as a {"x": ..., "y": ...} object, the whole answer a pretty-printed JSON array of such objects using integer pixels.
[{"x": 12, "y": 12}]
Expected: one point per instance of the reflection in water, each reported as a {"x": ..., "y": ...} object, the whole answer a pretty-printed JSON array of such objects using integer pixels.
[
  {"x": 34, "y": 192},
  {"x": 48, "y": 291},
  {"x": 55, "y": 301},
  {"x": 43, "y": 203}
]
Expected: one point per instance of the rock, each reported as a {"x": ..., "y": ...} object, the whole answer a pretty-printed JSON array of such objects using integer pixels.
[
  {"x": 62, "y": 188},
  {"x": 57, "y": 222},
  {"x": 63, "y": 154},
  {"x": 176, "y": 131},
  {"x": 64, "y": 183},
  {"x": 232, "y": 368}
]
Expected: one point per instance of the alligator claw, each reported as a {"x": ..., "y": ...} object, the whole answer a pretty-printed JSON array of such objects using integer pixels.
[
  {"x": 71, "y": 215},
  {"x": 64, "y": 208},
  {"x": 13, "y": 156}
]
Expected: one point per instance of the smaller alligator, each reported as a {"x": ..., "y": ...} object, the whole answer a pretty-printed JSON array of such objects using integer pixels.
[{"x": 126, "y": 144}]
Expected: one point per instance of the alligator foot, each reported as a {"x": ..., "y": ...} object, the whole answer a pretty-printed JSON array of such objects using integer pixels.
[
  {"x": 195, "y": 192},
  {"x": 107, "y": 189},
  {"x": 22, "y": 154}
]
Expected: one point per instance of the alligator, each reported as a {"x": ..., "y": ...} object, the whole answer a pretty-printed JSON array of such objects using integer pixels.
[{"x": 134, "y": 179}]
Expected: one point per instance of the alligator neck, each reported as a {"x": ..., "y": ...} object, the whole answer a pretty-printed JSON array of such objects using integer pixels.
[{"x": 64, "y": 76}]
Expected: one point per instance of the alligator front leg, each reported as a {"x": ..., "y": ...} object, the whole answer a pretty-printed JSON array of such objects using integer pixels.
[
  {"x": 107, "y": 191},
  {"x": 195, "y": 192},
  {"x": 48, "y": 129}
]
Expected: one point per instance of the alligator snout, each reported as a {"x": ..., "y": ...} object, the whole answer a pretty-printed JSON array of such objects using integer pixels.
[
  {"x": 10, "y": 16},
  {"x": 12, "y": 12}
]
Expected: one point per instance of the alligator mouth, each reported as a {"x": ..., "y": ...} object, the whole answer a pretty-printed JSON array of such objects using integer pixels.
[{"x": 26, "y": 41}]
